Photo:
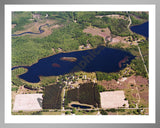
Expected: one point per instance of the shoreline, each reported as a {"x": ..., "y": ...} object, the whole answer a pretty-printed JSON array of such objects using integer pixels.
[
  {"x": 138, "y": 33},
  {"x": 139, "y": 24},
  {"x": 68, "y": 52}
]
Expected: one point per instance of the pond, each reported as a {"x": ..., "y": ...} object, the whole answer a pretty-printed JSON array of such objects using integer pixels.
[
  {"x": 141, "y": 29},
  {"x": 99, "y": 59},
  {"x": 80, "y": 106}
]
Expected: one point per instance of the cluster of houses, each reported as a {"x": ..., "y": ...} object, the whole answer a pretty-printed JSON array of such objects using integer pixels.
[
  {"x": 73, "y": 81},
  {"x": 88, "y": 46}
]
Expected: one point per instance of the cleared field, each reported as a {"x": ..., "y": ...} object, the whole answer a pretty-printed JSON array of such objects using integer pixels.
[
  {"x": 105, "y": 32},
  {"x": 113, "y": 16},
  {"x": 118, "y": 39},
  {"x": 28, "y": 102},
  {"x": 113, "y": 99}
]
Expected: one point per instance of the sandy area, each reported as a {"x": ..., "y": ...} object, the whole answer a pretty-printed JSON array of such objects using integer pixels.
[
  {"x": 28, "y": 102},
  {"x": 118, "y": 39},
  {"x": 113, "y": 16},
  {"x": 113, "y": 99},
  {"x": 123, "y": 79}
]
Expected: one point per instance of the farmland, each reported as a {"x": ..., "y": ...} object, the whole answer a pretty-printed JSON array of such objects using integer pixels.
[
  {"x": 52, "y": 97},
  {"x": 87, "y": 93}
]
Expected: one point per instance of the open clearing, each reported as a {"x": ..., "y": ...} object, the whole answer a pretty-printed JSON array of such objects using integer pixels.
[
  {"x": 113, "y": 16},
  {"x": 28, "y": 102},
  {"x": 105, "y": 32},
  {"x": 113, "y": 99}
]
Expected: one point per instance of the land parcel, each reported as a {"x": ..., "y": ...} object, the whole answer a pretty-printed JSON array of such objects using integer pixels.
[
  {"x": 113, "y": 99},
  {"x": 28, "y": 102},
  {"x": 52, "y": 97},
  {"x": 87, "y": 93}
]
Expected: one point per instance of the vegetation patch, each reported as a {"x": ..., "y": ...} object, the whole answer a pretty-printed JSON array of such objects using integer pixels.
[
  {"x": 19, "y": 19},
  {"x": 87, "y": 93},
  {"x": 15, "y": 79},
  {"x": 106, "y": 76},
  {"x": 136, "y": 21},
  {"x": 52, "y": 97}
]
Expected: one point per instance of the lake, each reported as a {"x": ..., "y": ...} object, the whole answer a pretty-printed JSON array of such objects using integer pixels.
[
  {"x": 99, "y": 59},
  {"x": 141, "y": 29}
]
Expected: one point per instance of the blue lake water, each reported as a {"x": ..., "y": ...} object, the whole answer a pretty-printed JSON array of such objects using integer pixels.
[
  {"x": 100, "y": 59},
  {"x": 141, "y": 29}
]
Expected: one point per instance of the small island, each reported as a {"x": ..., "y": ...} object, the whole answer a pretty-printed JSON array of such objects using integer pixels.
[
  {"x": 122, "y": 61},
  {"x": 71, "y": 59},
  {"x": 56, "y": 65}
]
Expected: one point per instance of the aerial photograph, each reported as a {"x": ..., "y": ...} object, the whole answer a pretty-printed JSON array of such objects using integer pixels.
[{"x": 80, "y": 63}]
